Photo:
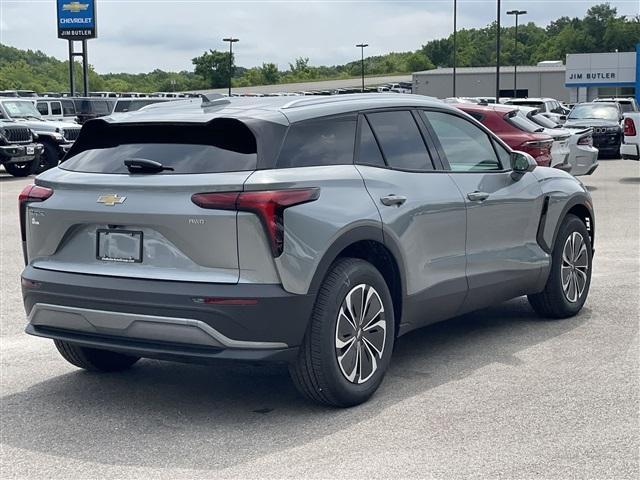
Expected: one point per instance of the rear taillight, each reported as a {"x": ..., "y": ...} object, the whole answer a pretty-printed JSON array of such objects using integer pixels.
[
  {"x": 29, "y": 194},
  {"x": 586, "y": 140},
  {"x": 268, "y": 205},
  {"x": 541, "y": 144},
  {"x": 629, "y": 127}
]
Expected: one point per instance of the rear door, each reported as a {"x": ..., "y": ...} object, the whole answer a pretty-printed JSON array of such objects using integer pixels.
[
  {"x": 422, "y": 212},
  {"x": 503, "y": 257},
  {"x": 104, "y": 220}
]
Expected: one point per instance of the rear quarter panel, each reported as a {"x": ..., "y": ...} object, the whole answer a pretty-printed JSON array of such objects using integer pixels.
[{"x": 312, "y": 228}]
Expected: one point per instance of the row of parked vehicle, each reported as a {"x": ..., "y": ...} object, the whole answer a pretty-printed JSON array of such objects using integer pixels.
[{"x": 571, "y": 139}]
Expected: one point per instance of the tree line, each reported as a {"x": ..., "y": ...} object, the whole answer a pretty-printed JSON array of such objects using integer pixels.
[{"x": 600, "y": 30}]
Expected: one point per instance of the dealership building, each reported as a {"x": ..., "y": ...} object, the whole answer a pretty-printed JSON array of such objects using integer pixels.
[{"x": 581, "y": 78}]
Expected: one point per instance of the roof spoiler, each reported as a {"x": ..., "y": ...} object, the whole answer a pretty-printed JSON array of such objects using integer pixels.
[{"x": 210, "y": 99}]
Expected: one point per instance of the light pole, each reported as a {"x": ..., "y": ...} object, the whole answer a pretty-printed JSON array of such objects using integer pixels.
[
  {"x": 455, "y": 45},
  {"x": 498, "y": 54},
  {"x": 517, "y": 13},
  {"x": 361, "y": 47},
  {"x": 231, "y": 41}
]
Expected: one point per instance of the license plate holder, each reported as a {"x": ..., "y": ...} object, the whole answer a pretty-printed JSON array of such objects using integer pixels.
[
  {"x": 119, "y": 246},
  {"x": 31, "y": 150}
]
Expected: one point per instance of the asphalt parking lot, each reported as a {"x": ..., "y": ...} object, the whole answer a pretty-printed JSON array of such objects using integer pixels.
[{"x": 498, "y": 393}]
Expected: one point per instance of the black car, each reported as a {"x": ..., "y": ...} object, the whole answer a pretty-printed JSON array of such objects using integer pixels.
[
  {"x": 88, "y": 108},
  {"x": 19, "y": 154},
  {"x": 605, "y": 120}
]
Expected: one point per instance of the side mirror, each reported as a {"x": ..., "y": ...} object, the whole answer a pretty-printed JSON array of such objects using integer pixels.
[{"x": 521, "y": 163}]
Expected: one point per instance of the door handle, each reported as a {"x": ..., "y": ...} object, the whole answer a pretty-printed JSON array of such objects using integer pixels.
[
  {"x": 391, "y": 200},
  {"x": 477, "y": 196}
]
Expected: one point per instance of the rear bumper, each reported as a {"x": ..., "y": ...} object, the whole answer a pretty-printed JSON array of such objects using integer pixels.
[
  {"x": 162, "y": 319},
  {"x": 630, "y": 150}
]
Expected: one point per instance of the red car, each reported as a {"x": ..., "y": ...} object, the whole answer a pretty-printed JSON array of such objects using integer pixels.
[{"x": 496, "y": 118}]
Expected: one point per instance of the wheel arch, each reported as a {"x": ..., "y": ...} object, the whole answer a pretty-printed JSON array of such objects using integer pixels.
[
  {"x": 580, "y": 206},
  {"x": 369, "y": 244}
]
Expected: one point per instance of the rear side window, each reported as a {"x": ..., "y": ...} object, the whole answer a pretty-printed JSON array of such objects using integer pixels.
[
  {"x": 224, "y": 145},
  {"x": 56, "y": 108},
  {"x": 369, "y": 152},
  {"x": 323, "y": 141},
  {"x": 68, "y": 107},
  {"x": 467, "y": 147},
  {"x": 400, "y": 140}
]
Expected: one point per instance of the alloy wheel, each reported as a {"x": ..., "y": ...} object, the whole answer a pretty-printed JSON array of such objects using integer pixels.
[
  {"x": 575, "y": 267},
  {"x": 361, "y": 331}
]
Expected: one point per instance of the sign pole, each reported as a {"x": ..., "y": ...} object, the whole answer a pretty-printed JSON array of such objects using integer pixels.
[
  {"x": 85, "y": 68},
  {"x": 72, "y": 83}
]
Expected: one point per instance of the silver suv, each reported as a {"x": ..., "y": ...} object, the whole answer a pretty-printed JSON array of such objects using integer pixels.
[{"x": 311, "y": 231}]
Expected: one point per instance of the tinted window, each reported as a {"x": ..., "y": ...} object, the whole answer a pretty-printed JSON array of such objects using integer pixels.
[
  {"x": 400, "y": 140},
  {"x": 223, "y": 146},
  {"x": 56, "y": 108},
  {"x": 68, "y": 107},
  {"x": 466, "y": 146},
  {"x": 43, "y": 108},
  {"x": 122, "y": 106},
  {"x": 325, "y": 141},
  {"x": 369, "y": 152},
  {"x": 521, "y": 122}
]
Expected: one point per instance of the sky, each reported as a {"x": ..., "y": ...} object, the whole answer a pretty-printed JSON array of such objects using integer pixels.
[{"x": 141, "y": 35}]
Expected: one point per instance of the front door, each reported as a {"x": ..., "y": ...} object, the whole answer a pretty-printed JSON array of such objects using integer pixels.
[{"x": 504, "y": 259}]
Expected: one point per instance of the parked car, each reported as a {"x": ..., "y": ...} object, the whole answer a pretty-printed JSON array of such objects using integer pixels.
[
  {"x": 56, "y": 108},
  {"x": 19, "y": 153},
  {"x": 627, "y": 104},
  {"x": 233, "y": 241},
  {"x": 605, "y": 119},
  {"x": 630, "y": 147},
  {"x": 55, "y": 137},
  {"x": 88, "y": 108},
  {"x": 549, "y": 107},
  {"x": 124, "y": 105},
  {"x": 499, "y": 119},
  {"x": 583, "y": 156}
]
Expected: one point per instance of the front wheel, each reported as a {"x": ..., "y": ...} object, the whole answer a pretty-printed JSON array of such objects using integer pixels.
[
  {"x": 349, "y": 341},
  {"x": 49, "y": 157},
  {"x": 570, "y": 276},
  {"x": 20, "y": 169}
]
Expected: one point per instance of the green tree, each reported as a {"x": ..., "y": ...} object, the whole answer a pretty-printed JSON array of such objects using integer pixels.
[
  {"x": 270, "y": 73},
  {"x": 214, "y": 66}
]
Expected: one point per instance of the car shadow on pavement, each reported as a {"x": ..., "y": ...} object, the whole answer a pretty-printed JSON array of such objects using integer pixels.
[{"x": 170, "y": 415}]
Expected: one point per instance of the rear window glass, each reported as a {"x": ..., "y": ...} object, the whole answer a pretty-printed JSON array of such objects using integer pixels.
[
  {"x": 223, "y": 146},
  {"x": 325, "y": 141}
]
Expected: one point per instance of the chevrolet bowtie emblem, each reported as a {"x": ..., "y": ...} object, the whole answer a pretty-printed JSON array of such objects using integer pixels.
[
  {"x": 75, "y": 7},
  {"x": 111, "y": 199}
]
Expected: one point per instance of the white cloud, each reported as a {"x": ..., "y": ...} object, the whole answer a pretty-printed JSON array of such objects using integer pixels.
[{"x": 140, "y": 35}]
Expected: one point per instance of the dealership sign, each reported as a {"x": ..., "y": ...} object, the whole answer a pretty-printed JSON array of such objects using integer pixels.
[
  {"x": 76, "y": 19},
  {"x": 586, "y": 69}
]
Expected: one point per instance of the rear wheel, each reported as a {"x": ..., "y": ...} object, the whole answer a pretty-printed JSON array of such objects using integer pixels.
[
  {"x": 93, "y": 359},
  {"x": 349, "y": 341},
  {"x": 20, "y": 169},
  {"x": 570, "y": 277}
]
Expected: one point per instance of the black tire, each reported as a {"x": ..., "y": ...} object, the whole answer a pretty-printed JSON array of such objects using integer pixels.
[
  {"x": 93, "y": 359},
  {"x": 553, "y": 302},
  {"x": 316, "y": 372},
  {"x": 49, "y": 157},
  {"x": 20, "y": 169}
]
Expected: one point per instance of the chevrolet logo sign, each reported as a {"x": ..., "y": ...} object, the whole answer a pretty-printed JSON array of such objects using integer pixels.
[
  {"x": 111, "y": 199},
  {"x": 75, "y": 7}
]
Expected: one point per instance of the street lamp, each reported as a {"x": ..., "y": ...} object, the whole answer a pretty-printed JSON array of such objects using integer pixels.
[
  {"x": 361, "y": 47},
  {"x": 455, "y": 45},
  {"x": 231, "y": 41},
  {"x": 498, "y": 54},
  {"x": 517, "y": 13}
]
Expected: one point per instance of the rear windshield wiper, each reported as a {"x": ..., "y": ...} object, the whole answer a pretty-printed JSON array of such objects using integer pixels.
[{"x": 144, "y": 165}]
